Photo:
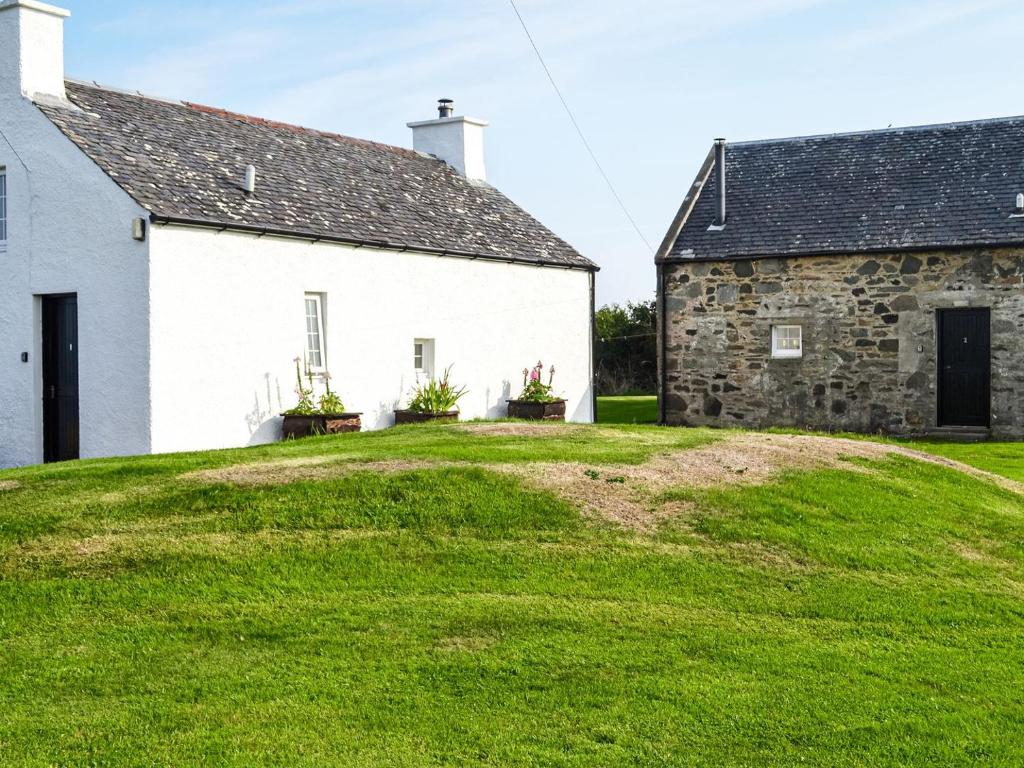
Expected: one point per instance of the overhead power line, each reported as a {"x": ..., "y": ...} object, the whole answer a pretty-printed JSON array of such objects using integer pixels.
[{"x": 579, "y": 130}]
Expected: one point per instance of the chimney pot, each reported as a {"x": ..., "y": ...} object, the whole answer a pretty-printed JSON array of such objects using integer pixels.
[{"x": 445, "y": 107}]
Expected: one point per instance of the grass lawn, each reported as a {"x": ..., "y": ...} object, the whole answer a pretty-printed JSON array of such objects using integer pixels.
[
  {"x": 637, "y": 409},
  {"x": 398, "y": 599},
  {"x": 1000, "y": 458}
]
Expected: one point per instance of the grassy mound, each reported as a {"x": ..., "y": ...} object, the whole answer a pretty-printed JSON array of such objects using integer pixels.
[{"x": 396, "y": 599}]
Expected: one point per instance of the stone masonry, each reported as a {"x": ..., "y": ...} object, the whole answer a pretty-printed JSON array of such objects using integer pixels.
[{"x": 869, "y": 339}]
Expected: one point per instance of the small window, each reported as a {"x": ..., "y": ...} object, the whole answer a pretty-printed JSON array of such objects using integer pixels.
[
  {"x": 787, "y": 341},
  {"x": 423, "y": 356},
  {"x": 3, "y": 207},
  {"x": 315, "y": 357}
]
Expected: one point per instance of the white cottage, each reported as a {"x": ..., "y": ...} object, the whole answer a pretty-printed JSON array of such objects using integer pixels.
[{"x": 162, "y": 263}]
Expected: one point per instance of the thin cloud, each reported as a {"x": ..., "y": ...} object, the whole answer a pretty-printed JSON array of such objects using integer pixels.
[{"x": 917, "y": 20}]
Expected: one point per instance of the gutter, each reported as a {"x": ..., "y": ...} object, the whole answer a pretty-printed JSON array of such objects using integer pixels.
[
  {"x": 662, "y": 347},
  {"x": 593, "y": 349},
  {"x": 386, "y": 245}
]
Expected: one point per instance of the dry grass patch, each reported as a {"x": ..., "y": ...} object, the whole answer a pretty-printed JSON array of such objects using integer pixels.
[
  {"x": 626, "y": 494},
  {"x": 465, "y": 643},
  {"x": 520, "y": 429},
  {"x": 101, "y": 553},
  {"x": 622, "y": 494},
  {"x": 298, "y": 470},
  {"x": 9, "y": 485}
]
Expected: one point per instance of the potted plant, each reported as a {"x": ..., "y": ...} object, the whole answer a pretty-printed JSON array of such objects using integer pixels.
[
  {"x": 435, "y": 400},
  {"x": 326, "y": 416},
  {"x": 537, "y": 401}
]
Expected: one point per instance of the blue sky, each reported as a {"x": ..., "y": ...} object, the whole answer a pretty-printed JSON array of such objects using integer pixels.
[{"x": 651, "y": 81}]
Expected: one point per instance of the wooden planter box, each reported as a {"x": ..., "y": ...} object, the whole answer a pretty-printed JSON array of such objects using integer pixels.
[
  {"x": 417, "y": 417},
  {"x": 525, "y": 409},
  {"x": 296, "y": 426}
]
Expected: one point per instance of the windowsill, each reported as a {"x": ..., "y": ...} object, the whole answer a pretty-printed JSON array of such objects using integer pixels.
[{"x": 787, "y": 358}]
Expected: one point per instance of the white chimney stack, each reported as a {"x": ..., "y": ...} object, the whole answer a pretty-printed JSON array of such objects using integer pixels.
[
  {"x": 32, "y": 49},
  {"x": 459, "y": 141}
]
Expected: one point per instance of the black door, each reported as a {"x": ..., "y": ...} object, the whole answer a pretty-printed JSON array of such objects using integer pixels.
[
  {"x": 60, "y": 378},
  {"x": 965, "y": 367}
]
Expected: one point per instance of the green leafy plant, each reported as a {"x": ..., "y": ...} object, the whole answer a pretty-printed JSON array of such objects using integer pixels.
[
  {"x": 534, "y": 388},
  {"x": 330, "y": 402},
  {"x": 309, "y": 405},
  {"x": 436, "y": 395}
]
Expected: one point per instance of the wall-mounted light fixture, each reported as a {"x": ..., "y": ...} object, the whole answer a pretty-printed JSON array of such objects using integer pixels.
[
  {"x": 139, "y": 229},
  {"x": 24, "y": 357}
]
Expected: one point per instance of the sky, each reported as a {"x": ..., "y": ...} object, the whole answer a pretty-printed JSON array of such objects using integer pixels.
[{"x": 651, "y": 82}]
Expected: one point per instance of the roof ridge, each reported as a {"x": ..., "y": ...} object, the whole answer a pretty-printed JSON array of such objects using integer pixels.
[
  {"x": 880, "y": 131},
  {"x": 250, "y": 119}
]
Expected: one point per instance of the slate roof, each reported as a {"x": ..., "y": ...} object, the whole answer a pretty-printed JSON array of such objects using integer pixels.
[
  {"x": 931, "y": 187},
  {"x": 183, "y": 161}
]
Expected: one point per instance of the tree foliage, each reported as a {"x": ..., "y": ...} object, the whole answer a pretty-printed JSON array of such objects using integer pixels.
[{"x": 627, "y": 357}]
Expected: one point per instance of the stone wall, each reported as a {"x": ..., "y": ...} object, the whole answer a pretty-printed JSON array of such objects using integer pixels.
[{"x": 869, "y": 339}]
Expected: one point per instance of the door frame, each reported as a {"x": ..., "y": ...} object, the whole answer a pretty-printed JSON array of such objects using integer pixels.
[
  {"x": 940, "y": 418},
  {"x": 47, "y": 439}
]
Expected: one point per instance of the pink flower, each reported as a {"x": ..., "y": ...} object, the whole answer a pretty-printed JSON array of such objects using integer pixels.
[{"x": 534, "y": 376}]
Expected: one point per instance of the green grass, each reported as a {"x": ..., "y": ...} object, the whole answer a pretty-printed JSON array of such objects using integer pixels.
[
  {"x": 637, "y": 409},
  {"x": 998, "y": 458},
  {"x": 450, "y": 616}
]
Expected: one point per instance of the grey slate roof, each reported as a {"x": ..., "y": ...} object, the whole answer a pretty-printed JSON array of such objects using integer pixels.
[
  {"x": 185, "y": 161},
  {"x": 941, "y": 186}
]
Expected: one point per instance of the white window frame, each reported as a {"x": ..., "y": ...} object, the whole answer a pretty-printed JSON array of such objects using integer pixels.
[
  {"x": 423, "y": 357},
  {"x": 318, "y": 298},
  {"x": 782, "y": 333},
  {"x": 3, "y": 209}
]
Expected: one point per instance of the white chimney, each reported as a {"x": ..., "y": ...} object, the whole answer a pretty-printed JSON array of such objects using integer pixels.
[
  {"x": 31, "y": 49},
  {"x": 459, "y": 141}
]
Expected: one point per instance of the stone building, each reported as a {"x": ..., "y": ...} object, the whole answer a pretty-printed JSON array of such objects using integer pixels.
[{"x": 870, "y": 282}]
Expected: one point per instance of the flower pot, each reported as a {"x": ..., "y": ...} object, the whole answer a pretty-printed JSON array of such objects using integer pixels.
[
  {"x": 296, "y": 425},
  {"x": 418, "y": 417},
  {"x": 533, "y": 411}
]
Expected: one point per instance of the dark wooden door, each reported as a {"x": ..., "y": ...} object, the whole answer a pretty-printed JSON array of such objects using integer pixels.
[
  {"x": 60, "y": 378},
  {"x": 965, "y": 367}
]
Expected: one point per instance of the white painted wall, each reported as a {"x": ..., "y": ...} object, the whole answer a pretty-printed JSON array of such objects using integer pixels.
[
  {"x": 69, "y": 231},
  {"x": 228, "y": 319}
]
